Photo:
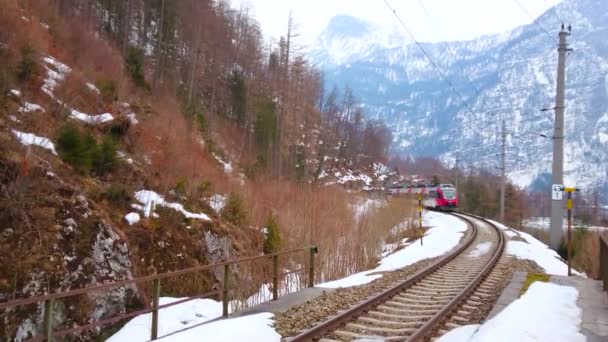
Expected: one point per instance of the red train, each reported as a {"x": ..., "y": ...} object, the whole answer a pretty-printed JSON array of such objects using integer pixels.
[{"x": 437, "y": 196}]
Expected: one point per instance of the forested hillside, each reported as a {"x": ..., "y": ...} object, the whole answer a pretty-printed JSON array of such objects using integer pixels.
[
  {"x": 139, "y": 137},
  {"x": 226, "y": 76}
]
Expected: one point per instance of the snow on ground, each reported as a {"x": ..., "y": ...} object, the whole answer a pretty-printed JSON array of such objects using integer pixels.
[
  {"x": 32, "y": 139},
  {"x": 350, "y": 177},
  {"x": 171, "y": 319},
  {"x": 217, "y": 202},
  {"x": 91, "y": 119},
  {"x": 227, "y": 165},
  {"x": 533, "y": 249},
  {"x": 124, "y": 157},
  {"x": 546, "y": 312},
  {"x": 30, "y": 107},
  {"x": 480, "y": 250},
  {"x": 15, "y": 92},
  {"x": 92, "y": 88},
  {"x": 132, "y": 218},
  {"x": 151, "y": 199},
  {"x": 247, "y": 328},
  {"x": 444, "y": 234}
]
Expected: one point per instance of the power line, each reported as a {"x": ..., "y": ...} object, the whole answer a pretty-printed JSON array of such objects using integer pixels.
[
  {"x": 450, "y": 50},
  {"x": 428, "y": 56},
  {"x": 555, "y": 13},
  {"x": 534, "y": 20}
]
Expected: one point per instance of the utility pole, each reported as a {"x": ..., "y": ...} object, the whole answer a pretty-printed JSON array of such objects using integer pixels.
[
  {"x": 557, "y": 203},
  {"x": 502, "y": 171}
]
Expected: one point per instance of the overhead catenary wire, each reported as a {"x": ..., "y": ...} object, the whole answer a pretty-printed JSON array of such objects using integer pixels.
[
  {"x": 535, "y": 20},
  {"x": 450, "y": 50}
]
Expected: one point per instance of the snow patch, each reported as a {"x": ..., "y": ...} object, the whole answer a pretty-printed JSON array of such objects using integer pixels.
[
  {"x": 132, "y": 218},
  {"x": 91, "y": 119},
  {"x": 535, "y": 250},
  {"x": 171, "y": 319},
  {"x": 32, "y": 139},
  {"x": 30, "y": 107},
  {"x": 151, "y": 199},
  {"x": 93, "y": 88},
  {"x": 546, "y": 312},
  {"x": 217, "y": 202},
  {"x": 480, "y": 250},
  {"x": 15, "y": 92},
  {"x": 256, "y": 327},
  {"x": 227, "y": 165}
]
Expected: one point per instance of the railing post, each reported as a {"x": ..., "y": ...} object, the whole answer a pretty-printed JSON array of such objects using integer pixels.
[
  {"x": 275, "y": 277},
  {"x": 48, "y": 320},
  {"x": 225, "y": 290},
  {"x": 311, "y": 271},
  {"x": 155, "y": 300}
]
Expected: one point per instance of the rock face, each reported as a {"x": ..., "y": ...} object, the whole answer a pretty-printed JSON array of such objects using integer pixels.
[{"x": 509, "y": 76}]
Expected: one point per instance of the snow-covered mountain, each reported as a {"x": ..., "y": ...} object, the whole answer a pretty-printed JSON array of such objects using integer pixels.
[{"x": 508, "y": 76}]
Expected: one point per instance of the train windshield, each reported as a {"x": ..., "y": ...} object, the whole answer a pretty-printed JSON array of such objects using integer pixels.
[{"x": 449, "y": 193}]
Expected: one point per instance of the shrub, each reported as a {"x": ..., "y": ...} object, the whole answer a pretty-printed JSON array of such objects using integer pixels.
[
  {"x": 75, "y": 149},
  {"x": 117, "y": 194},
  {"x": 108, "y": 90},
  {"x": 27, "y": 66},
  {"x": 204, "y": 187},
  {"x": 272, "y": 238},
  {"x": 82, "y": 152},
  {"x": 234, "y": 210},
  {"x": 135, "y": 66},
  {"x": 180, "y": 187},
  {"x": 104, "y": 156}
]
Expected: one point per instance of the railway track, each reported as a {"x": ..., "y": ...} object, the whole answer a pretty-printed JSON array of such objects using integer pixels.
[{"x": 434, "y": 298}]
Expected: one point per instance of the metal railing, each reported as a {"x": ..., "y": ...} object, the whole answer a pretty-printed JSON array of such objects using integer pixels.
[
  {"x": 224, "y": 292},
  {"x": 604, "y": 261}
]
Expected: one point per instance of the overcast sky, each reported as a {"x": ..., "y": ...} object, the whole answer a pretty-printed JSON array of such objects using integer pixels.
[{"x": 447, "y": 19}]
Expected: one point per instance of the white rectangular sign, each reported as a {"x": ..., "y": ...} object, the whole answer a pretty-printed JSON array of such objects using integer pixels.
[{"x": 556, "y": 193}]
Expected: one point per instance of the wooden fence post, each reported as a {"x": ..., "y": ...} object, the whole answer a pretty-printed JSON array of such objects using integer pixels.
[
  {"x": 275, "y": 277},
  {"x": 48, "y": 320},
  {"x": 156, "y": 295},
  {"x": 225, "y": 298}
]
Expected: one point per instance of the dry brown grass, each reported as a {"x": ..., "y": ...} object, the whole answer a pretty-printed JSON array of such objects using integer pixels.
[
  {"x": 324, "y": 216},
  {"x": 174, "y": 149},
  {"x": 587, "y": 253}
]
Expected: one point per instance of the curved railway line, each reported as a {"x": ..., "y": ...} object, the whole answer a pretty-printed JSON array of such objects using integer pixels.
[{"x": 434, "y": 299}]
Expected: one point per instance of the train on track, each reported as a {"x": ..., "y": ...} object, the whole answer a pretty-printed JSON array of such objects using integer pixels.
[{"x": 435, "y": 196}]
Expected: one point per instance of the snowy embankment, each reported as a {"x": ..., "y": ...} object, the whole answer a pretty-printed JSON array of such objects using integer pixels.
[
  {"x": 171, "y": 319},
  {"x": 444, "y": 234},
  {"x": 546, "y": 312},
  {"x": 532, "y": 249}
]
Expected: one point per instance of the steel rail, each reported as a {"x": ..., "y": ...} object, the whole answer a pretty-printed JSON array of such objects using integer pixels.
[
  {"x": 344, "y": 317},
  {"x": 427, "y": 328}
]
